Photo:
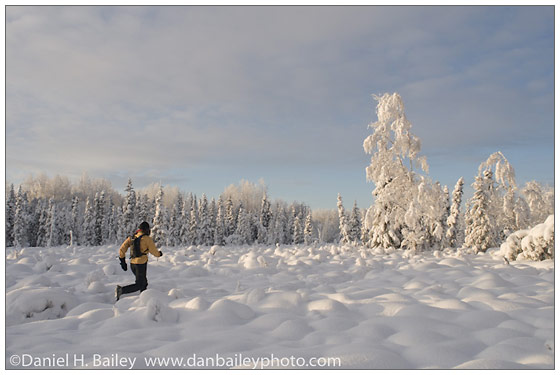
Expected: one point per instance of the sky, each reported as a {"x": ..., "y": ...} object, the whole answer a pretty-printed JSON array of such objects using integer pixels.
[{"x": 203, "y": 97}]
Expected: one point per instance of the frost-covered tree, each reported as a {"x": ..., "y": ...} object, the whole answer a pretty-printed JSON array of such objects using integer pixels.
[
  {"x": 502, "y": 194},
  {"x": 205, "y": 232},
  {"x": 88, "y": 227},
  {"x": 41, "y": 215},
  {"x": 193, "y": 225},
  {"x": 342, "y": 221},
  {"x": 276, "y": 234},
  {"x": 175, "y": 223},
  {"x": 185, "y": 220},
  {"x": 536, "y": 200},
  {"x": 242, "y": 234},
  {"x": 230, "y": 221},
  {"x": 354, "y": 225},
  {"x": 112, "y": 218},
  {"x": 308, "y": 230},
  {"x": 395, "y": 152},
  {"x": 10, "y": 216},
  {"x": 75, "y": 223},
  {"x": 142, "y": 209},
  {"x": 480, "y": 232},
  {"x": 454, "y": 214},
  {"x": 99, "y": 218},
  {"x": 129, "y": 218},
  {"x": 21, "y": 219},
  {"x": 298, "y": 231},
  {"x": 415, "y": 235},
  {"x": 161, "y": 220},
  {"x": 53, "y": 232},
  {"x": 264, "y": 220},
  {"x": 219, "y": 229}
]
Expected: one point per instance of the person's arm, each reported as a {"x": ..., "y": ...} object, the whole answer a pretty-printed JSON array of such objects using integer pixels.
[
  {"x": 152, "y": 247},
  {"x": 124, "y": 247}
]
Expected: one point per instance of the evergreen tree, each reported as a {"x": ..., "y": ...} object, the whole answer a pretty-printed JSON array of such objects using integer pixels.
[
  {"x": 112, "y": 218},
  {"x": 129, "y": 223},
  {"x": 185, "y": 219},
  {"x": 205, "y": 236},
  {"x": 10, "y": 216},
  {"x": 298, "y": 231},
  {"x": 98, "y": 218},
  {"x": 264, "y": 220},
  {"x": 42, "y": 215},
  {"x": 160, "y": 227},
  {"x": 454, "y": 214},
  {"x": 230, "y": 222},
  {"x": 53, "y": 238},
  {"x": 243, "y": 231},
  {"x": 142, "y": 209},
  {"x": 479, "y": 233},
  {"x": 88, "y": 228},
  {"x": 219, "y": 231},
  {"x": 21, "y": 220},
  {"x": 276, "y": 235},
  {"x": 354, "y": 225},
  {"x": 342, "y": 220},
  {"x": 175, "y": 223},
  {"x": 308, "y": 230},
  {"x": 75, "y": 221},
  {"x": 193, "y": 226}
]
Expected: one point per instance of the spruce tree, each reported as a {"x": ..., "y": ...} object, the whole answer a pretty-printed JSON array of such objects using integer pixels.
[
  {"x": 230, "y": 221},
  {"x": 205, "y": 236},
  {"x": 53, "y": 239},
  {"x": 193, "y": 226},
  {"x": 10, "y": 216},
  {"x": 298, "y": 231},
  {"x": 219, "y": 229},
  {"x": 21, "y": 220},
  {"x": 355, "y": 225},
  {"x": 342, "y": 221},
  {"x": 88, "y": 228},
  {"x": 479, "y": 233},
  {"x": 129, "y": 223},
  {"x": 454, "y": 214},
  {"x": 160, "y": 227},
  {"x": 308, "y": 230},
  {"x": 75, "y": 221},
  {"x": 243, "y": 231}
]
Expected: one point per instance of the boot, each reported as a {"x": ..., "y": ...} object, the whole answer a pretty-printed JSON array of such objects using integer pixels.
[{"x": 118, "y": 292}]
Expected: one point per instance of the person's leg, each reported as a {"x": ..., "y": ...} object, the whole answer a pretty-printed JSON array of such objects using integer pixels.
[
  {"x": 141, "y": 279},
  {"x": 136, "y": 286}
]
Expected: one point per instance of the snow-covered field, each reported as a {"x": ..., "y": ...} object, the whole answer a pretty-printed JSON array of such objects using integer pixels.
[{"x": 368, "y": 309}]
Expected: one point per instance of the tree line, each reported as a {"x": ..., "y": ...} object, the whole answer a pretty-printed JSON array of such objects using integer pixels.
[{"x": 235, "y": 218}]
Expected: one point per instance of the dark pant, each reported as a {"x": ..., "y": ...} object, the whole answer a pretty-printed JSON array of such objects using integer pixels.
[{"x": 141, "y": 283}]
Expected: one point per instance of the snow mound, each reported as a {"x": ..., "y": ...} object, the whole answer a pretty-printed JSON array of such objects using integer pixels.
[
  {"x": 197, "y": 303},
  {"x": 37, "y": 304},
  {"x": 232, "y": 308},
  {"x": 536, "y": 243},
  {"x": 157, "y": 306},
  {"x": 325, "y": 305}
]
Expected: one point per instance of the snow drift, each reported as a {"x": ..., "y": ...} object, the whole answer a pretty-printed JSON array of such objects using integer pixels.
[
  {"x": 536, "y": 243},
  {"x": 372, "y": 309}
]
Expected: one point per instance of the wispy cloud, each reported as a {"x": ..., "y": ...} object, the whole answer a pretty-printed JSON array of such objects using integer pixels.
[{"x": 128, "y": 89}]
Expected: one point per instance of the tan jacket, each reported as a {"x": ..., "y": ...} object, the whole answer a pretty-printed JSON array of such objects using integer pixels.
[{"x": 146, "y": 245}]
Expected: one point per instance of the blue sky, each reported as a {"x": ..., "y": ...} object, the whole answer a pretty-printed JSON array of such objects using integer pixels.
[{"x": 202, "y": 97}]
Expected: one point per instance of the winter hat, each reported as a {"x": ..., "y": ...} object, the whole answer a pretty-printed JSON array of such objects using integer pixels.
[{"x": 145, "y": 228}]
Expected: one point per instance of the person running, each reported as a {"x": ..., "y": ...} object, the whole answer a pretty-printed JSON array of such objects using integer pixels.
[{"x": 141, "y": 244}]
